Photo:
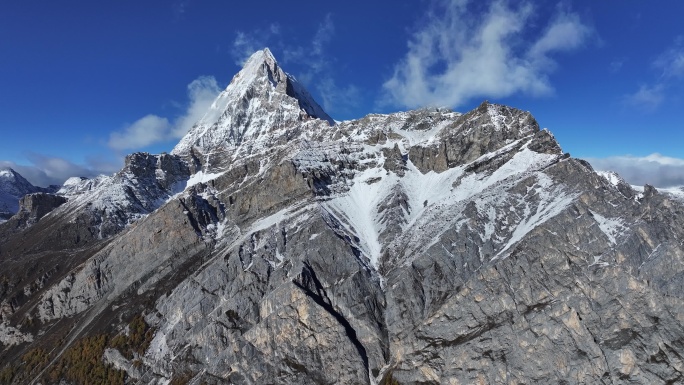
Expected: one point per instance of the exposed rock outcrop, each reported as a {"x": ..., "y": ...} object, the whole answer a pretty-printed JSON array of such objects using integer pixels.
[{"x": 35, "y": 206}]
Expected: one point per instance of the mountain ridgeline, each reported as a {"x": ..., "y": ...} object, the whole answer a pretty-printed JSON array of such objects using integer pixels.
[{"x": 276, "y": 246}]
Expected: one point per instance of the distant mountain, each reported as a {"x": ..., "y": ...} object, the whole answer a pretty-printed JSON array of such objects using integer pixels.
[
  {"x": 13, "y": 186},
  {"x": 273, "y": 246}
]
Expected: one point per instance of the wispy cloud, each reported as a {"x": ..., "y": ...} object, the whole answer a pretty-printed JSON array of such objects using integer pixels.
[
  {"x": 458, "y": 55},
  {"x": 152, "y": 129},
  {"x": 671, "y": 62},
  {"x": 144, "y": 132},
  {"x": 336, "y": 98},
  {"x": 46, "y": 170},
  {"x": 179, "y": 8},
  {"x": 201, "y": 93},
  {"x": 318, "y": 70},
  {"x": 670, "y": 68},
  {"x": 319, "y": 60},
  {"x": 655, "y": 169},
  {"x": 647, "y": 98},
  {"x": 617, "y": 64},
  {"x": 246, "y": 43}
]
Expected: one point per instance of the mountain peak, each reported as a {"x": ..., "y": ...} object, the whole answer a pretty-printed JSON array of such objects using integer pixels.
[
  {"x": 263, "y": 56},
  {"x": 10, "y": 177},
  {"x": 261, "y": 98},
  {"x": 7, "y": 173},
  {"x": 262, "y": 64}
]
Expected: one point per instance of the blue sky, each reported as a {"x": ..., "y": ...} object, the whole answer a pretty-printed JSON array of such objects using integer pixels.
[{"x": 83, "y": 83}]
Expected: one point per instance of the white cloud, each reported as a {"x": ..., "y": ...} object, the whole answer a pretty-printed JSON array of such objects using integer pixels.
[
  {"x": 457, "y": 56},
  {"x": 152, "y": 129},
  {"x": 201, "y": 92},
  {"x": 312, "y": 56},
  {"x": 655, "y": 169},
  {"x": 565, "y": 33},
  {"x": 145, "y": 131}
]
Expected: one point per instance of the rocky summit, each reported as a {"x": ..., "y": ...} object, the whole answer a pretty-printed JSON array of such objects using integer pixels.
[{"x": 274, "y": 245}]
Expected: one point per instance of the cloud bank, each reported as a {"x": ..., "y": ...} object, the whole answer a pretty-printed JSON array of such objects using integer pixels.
[
  {"x": 458, "y": 55},
  {"x": 152, "y": 129},
  {"x": 46, "y": 170},
  {"x": 655, "y": 169}
]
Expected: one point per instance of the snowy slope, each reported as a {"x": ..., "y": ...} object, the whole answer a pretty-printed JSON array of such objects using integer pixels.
[
  {"x": 676, "y": 192},
  {"x": 431, "y": 202},
  {"x": 612, "y": 177},
  {"x": 110, "y": 203}
]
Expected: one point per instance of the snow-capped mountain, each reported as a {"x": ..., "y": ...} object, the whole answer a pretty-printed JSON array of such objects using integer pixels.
[
  {"x": 261, "y": 104},
  {"x": 110, "y": 203},
  {"x": 676, "y": 192},
  {"x": 273, "y": 246}
]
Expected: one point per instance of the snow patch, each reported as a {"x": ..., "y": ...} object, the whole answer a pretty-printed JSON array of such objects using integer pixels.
[
  {"x": 202, "y": 177},
  {"x": 429, "y": 195},
  {"x": 358, "y": 209},
  {"x": 612, "y": 177},
  {"x": 552, "y": 201},
  {"x": 612, "y": 228},
  {"x": 599, "y": 262}
]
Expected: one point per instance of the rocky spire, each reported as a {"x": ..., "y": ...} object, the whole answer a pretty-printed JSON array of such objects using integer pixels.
[{"x": 260, "y": 98}]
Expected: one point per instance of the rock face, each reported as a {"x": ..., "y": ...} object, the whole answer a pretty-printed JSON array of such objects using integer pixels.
[
  {"x": 428, "y": 246},
  {"x": 105, "y": 205},
  {"x": 33, "y": 207}
]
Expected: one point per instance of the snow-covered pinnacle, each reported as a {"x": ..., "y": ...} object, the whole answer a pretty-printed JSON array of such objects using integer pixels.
[
  {"x": 260, "y": 98},
  {"x": 263, "y": 64}
]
